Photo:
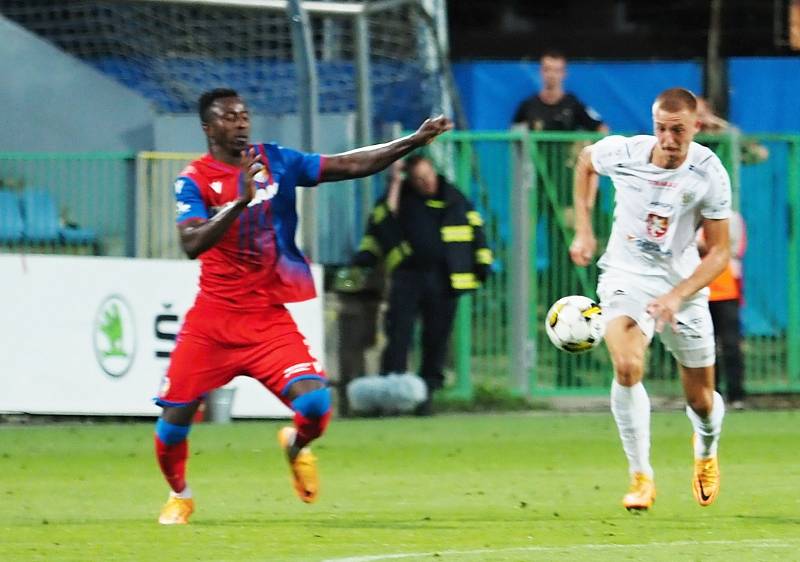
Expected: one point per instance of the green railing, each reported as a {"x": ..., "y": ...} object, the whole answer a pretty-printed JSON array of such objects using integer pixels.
[
  {"x": 523, "y": 183},
  {"x": 156, "y": 172}
]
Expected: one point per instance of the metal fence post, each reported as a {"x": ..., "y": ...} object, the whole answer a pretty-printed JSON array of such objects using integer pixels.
[
  {"x": 308, "y": 106},
  {"x": 521, "y": 293},
  {"x": 364, "y": 104},
  {"x": 793, "y": 335},
  {"x": 463, "y": 324}
]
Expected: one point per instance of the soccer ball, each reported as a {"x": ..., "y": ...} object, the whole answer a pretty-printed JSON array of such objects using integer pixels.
[{"x": 575, "y": 324}]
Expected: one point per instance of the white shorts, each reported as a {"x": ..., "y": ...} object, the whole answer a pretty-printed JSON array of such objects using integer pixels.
[{"x": 624, "y": 294}]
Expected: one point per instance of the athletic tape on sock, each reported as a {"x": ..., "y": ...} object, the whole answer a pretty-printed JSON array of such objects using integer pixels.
[
  {"x": 170, "y": 433},
  {"x": 314, "y": 404}
]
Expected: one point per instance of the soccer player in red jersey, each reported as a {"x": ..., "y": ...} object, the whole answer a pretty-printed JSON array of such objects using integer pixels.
[{"x": 236, "y": 213}]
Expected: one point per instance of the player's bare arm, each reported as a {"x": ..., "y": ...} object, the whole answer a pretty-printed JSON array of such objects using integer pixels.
[
  {"x": 198, "y": 236},
  {"x": 584, "y": 194},
  {"x": 368, "y": 160},
  {"x": 715, "y": 260},
  {"x": 395, "y": 186}
]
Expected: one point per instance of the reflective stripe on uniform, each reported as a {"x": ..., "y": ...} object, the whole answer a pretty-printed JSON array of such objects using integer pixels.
[
  {"x": 370, "y": 244},
  {"x": 484, "y": 256},
  {"x": 474, "y": 218},
  {"x": 461, "y": 233},
  {"x": 464, "y": 281},
  {"x": 378, "y": 214},
  {"x": 397, "y": 255},
  {"x": 435, "y": 203}
]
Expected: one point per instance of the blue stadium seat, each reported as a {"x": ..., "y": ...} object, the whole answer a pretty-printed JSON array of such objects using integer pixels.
[
  {"x": 11, "y": 224},
  {"x": 42, "y": 223},
  {"x": 269, "y": 85},
  {"x": 78, "y": 235},
  {"x": 41, "y": 216}
]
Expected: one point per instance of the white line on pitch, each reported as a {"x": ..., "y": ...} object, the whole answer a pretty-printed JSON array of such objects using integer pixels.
[{"x": 756, "y": 543}]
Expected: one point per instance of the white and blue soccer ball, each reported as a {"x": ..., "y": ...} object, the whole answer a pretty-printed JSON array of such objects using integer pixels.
[{"x": 575, "y": 324}]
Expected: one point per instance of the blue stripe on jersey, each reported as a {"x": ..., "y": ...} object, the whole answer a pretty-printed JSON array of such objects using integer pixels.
[
  {"x": 253, "y": 224},
  {"x": 241, "y": 216},
  {"x": 262, "y": 222},
  {"x": 262, "y": 212}
]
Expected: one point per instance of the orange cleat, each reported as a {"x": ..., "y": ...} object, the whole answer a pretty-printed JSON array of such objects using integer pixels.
[
  {"x": 304, "y": 467},
  {"x": 641, "y": 495},
  {"x": 706, "y": 479},
  {"x": 176, "y": 511}
]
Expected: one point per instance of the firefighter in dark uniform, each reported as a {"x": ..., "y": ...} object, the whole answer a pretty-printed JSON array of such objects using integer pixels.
[{"x": 432, "y": 244}]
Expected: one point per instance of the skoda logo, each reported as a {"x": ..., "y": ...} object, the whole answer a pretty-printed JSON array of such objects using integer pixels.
[{"x": 114, "y": 336}]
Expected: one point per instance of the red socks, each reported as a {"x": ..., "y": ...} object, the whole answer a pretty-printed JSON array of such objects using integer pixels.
[
  {"x": 309, "y": 429},
  {"x": 172, "y": 460}
]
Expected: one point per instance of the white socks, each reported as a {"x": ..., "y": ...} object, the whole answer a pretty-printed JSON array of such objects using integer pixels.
[
  {"x": 630, "y": 406},
  {"x": 707, "y": 429},
  {"x": 185, "y": 494}
]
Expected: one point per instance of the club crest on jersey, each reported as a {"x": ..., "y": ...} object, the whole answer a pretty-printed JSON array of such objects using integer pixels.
[
  {"x": 657, "y": 226},
  {"x": 264, "y": 192},
  {"x": 687, "y": 197}
]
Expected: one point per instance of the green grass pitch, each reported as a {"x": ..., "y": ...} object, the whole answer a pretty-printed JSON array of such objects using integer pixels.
[{"x": 450, "y": 488}]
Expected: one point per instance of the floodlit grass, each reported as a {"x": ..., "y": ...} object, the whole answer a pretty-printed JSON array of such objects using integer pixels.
[{"x": 482, "y": 487}]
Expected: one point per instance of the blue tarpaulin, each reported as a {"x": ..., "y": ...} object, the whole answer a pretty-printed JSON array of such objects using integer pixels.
[{"x": 622, "y": 92}]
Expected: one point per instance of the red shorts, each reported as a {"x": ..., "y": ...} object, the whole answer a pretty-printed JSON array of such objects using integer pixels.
[{"x": 216, "y": 344}]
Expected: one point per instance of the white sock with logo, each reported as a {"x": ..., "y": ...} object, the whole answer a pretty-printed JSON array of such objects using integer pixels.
[
  {"x": 707, "y": 429},
  {"x": 630, "y": 406}
]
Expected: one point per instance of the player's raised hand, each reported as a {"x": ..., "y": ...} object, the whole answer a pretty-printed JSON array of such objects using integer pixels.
[
  {"x": 663, "y": 310},
  {"x": 397, "y": 173},
  {"x": 432, "y": 128},
  {"x": 582, "y": 249},
  {"x": 250, "y": 166}
]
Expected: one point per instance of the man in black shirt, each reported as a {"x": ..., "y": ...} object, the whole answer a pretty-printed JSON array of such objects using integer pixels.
[{"x": 553, "y": 109}]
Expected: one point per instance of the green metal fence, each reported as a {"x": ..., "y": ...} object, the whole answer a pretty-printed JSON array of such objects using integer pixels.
[
  {"x": 61, "y": 203},
  {"x": 523, "y": 183}
]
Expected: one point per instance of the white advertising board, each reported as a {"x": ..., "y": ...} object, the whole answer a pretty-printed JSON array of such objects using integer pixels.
[{"x": 91, "y": 335}]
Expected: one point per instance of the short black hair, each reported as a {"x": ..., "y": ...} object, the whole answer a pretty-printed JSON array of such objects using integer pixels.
[{"x": 209, "y": 97}]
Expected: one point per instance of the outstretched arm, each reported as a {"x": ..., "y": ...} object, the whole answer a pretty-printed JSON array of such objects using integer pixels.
[
  {"x": 371, "y": 159},
  {"x": 199, "y": 236}
]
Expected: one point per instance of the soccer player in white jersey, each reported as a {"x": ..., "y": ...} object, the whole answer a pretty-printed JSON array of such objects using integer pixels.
[{"x": 652, "y": 278}]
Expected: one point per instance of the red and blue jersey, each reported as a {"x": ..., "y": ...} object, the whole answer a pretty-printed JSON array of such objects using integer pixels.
[{"x": 256, "y": 263}]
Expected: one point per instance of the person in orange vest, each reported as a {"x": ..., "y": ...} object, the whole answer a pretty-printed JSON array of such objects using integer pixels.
[{"x": 725, "y": 301}]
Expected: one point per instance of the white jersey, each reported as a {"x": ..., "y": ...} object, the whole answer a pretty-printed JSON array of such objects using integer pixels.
[{"x": 658, "y": 211}]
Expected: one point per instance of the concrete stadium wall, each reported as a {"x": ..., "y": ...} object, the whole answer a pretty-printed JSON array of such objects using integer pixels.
[{"x": 54, "y": 102}]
